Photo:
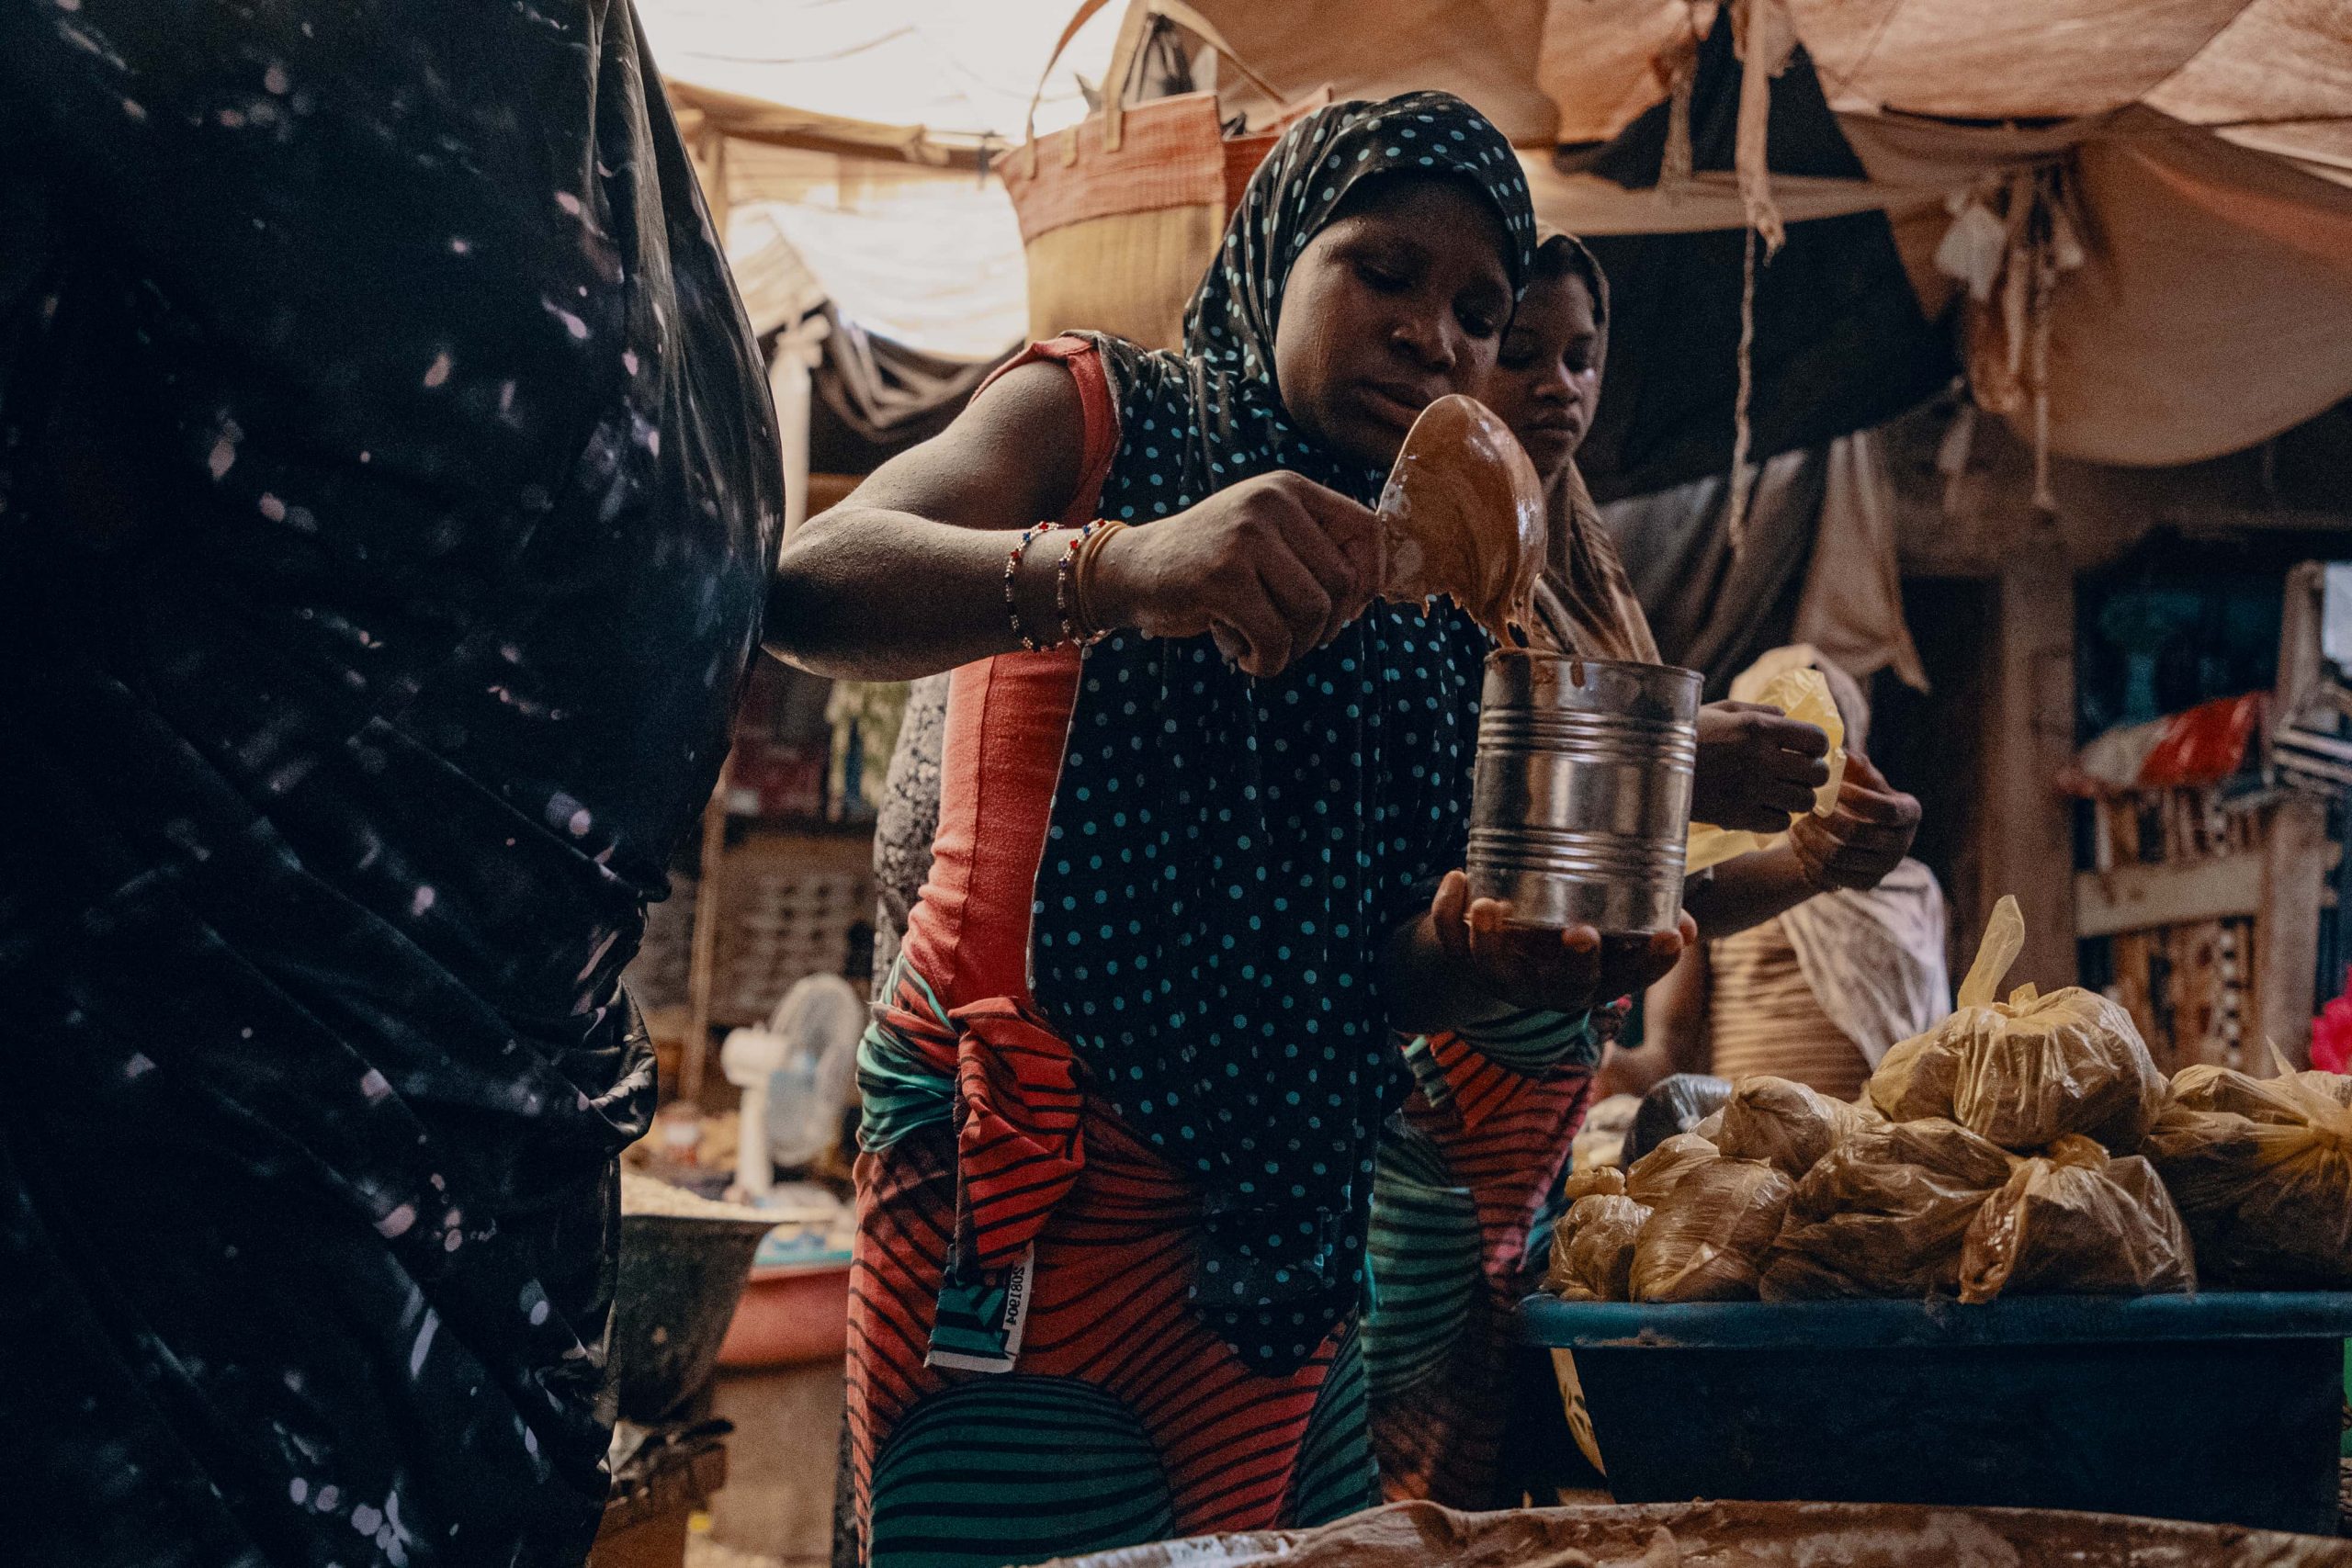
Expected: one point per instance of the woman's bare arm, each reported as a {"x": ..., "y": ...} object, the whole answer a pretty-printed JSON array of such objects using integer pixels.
[
  {"x": 906, "y": 576},
  {"x": 1748, "y": 890}
]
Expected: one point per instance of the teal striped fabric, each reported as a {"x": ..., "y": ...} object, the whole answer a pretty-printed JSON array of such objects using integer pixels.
[
  {"x": 1016, "y": 1469},
  {"x": 1337, "y": 1474},
  {"x": 1424, "y": 1246},
  {"x": 898, "y": 1090},
  {"x": 1534, "y": 1040}
]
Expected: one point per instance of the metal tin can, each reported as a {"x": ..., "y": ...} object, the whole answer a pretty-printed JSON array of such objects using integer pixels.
[{"x": 1582, "y": 803}]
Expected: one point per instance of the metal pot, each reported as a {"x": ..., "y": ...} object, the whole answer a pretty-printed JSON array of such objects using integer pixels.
[
  {"x": 1582, "y": 803},
  {"x": 681, "y": 1276}
]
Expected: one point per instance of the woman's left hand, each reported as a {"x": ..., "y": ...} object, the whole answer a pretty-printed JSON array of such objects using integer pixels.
[{"x": 1566, "y": 971}]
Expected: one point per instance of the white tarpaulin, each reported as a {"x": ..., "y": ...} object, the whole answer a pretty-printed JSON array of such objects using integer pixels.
[
  {"x": 935, "y": 78},
  {"x": 2181, "y": 221}
]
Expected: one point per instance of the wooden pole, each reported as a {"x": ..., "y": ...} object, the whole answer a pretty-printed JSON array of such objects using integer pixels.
[
  {"x": 2028, "y": 827},
  {"x": 2286, "y": 968},
  {"x": 703, "y": 963}
]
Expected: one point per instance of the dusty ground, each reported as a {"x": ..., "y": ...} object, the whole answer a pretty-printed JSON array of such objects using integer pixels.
[{"x": 777, "y": 1509}]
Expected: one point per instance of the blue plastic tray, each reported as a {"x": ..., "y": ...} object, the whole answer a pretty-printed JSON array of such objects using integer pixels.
[
  {"x": 2021, "y": 1320},
  {"x": 2223, "y": 1407}
]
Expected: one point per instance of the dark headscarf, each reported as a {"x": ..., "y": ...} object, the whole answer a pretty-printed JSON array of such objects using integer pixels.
[
  {"x": 1228, "y": 857},
  {"x": 1584, "y": 597}
]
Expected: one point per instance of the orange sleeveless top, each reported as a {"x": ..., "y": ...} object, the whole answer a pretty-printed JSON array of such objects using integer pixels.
[{"x": 1007, "y": 719}]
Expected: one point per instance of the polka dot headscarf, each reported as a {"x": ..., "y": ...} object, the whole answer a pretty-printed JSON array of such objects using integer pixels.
[{"x": 1227, "y": 857}]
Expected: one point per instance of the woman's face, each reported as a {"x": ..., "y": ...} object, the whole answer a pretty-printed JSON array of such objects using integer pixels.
[
  {"x": 1388, "y": 309},
  {"x": 1546, "y": 381}
]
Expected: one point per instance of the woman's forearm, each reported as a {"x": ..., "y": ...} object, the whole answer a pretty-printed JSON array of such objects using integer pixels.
[
  {"x": 1748, "y": 891},
  {"x": 907, "y": 577},
  {"x": 868, "y": 593}
]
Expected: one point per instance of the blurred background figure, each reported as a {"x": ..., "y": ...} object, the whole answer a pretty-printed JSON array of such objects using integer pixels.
[{"x": 386, "y": 493}]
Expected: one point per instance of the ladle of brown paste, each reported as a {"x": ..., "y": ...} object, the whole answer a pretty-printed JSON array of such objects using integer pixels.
[{"x": 1463, "y": 515}]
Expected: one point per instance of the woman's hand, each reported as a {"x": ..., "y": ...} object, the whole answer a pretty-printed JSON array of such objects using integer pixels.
[
  {"x": 1521, "y": 966},
  {"x": 1757, "y": 767},
  {"x": 1272, "y": 567},
  {"x": 1861, "y": 841}
]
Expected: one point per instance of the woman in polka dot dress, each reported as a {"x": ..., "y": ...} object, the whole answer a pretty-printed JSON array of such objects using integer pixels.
[{"x": 1195, "y": 867}]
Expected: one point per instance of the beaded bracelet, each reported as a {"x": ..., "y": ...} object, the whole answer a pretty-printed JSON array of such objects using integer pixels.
[
  {"x": 1011, "y": 568},
  {"x": 1070, "y": 598}
]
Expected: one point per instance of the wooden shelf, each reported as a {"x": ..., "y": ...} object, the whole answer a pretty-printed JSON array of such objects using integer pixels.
[
  {"x": 2280, "y": 887},
  {"x": 2134, "y": 897}
]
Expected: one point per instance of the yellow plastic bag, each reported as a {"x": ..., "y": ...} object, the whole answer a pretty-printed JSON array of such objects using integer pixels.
[
  {"x": 2076, "y": 1222},
  {"x": 1787, "y": 1126},
  {"x": 2262, "y": 1170},
  {"x": 1592, "y": 1249},
  {"x": 1786, "y": 680},
  {"x": 1707, "y": 1237},
  {"x": 1656, "y": 1173},
  {"x": 1885, "y": 1213},
  {"x": 2027, "y": 1071}
]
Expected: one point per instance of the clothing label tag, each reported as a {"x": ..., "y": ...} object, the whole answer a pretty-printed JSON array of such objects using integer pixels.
[{"x": 983, "y": 1315}]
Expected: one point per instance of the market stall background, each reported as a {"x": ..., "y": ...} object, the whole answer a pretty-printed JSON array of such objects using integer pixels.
[
  {"x": 2005, "y": 255},
  {"x": 2082, "y": 209}
]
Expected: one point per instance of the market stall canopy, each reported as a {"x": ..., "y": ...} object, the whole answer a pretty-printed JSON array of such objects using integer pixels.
[
  {"x": 2161, "y": 190},
  {"x": 932, "y": 82},
  {"x": 2136, "y": 196}
]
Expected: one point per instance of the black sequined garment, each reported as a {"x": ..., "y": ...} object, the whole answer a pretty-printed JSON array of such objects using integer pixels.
[{"x": 387, "y": 486}]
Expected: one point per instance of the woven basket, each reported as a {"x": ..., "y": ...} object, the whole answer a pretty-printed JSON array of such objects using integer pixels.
[{"x": 1120, "y": 214}]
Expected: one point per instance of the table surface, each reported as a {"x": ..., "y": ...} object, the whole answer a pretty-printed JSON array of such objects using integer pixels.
[{"x": 1865, "y": 1325}]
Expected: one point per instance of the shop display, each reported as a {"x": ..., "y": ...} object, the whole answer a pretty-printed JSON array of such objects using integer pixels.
[
  {"x": 1710, "y": 1233},
  {"x": 2076, "y": 1222},
  {"x": 2262, "y": 1170},
  {"x": 1786, "y": 1124},
  {"x": 2024, "y": 1147}
]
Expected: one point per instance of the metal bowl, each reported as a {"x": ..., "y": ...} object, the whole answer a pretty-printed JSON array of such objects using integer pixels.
[{"x": 680, "y": 1277}]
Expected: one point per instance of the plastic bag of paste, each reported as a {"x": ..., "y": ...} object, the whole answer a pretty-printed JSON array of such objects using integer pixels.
[
  {"x": 2203, "y": 1088},
  {"x": 1885, "y": 1213},
  {"x": 1787, "y": 1126},
  {"x": 2027, "y": 1071},
  {"x": 1707, "y": 1237},
  {"x": 2264, "y": 1177},
  {"x": 1802, "y": 693},
  {"x": 1655, "y": 1174},
  {"x": 1592, "y": 1249},
  {"x": 1676, "y": 1103},
  {"x": 2076, "y": 1222},
  {"x": 1602, "y": 1181}
]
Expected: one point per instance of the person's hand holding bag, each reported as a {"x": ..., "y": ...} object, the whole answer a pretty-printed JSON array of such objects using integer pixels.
[
  {"x": 1864, "y": 838},
  {"x": 1757, "y": 767}
]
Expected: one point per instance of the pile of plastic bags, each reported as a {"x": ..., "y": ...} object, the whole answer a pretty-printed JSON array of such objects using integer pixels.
[{"x": 2025, "y": 1146}]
